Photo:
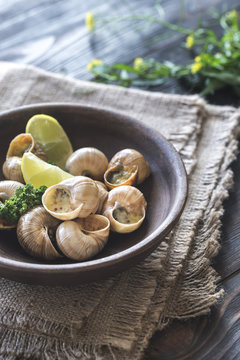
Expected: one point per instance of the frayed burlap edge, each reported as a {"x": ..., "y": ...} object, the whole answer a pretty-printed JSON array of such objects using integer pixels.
[
  {"x": 34, "y": 346},
  {"x": 204, "y": 276},
  {"x": 19, "y": 339},
  {"x": 209, "y": 225}
]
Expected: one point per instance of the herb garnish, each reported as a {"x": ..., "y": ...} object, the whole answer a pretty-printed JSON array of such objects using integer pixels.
[{"x": 24, "y": 199}]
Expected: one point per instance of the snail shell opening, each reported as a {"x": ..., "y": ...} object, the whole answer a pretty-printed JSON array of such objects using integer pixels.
[
  {"x": 72, "y": 198},
  {"x": 120, "y": 175},
  {"x": 131, "y": 157},
  {"x": 18, "y": 146},
  {"x": 125, "y": 207}
]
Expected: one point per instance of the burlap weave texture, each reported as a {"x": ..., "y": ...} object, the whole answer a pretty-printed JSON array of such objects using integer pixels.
[{"x": 115, "y": 318}]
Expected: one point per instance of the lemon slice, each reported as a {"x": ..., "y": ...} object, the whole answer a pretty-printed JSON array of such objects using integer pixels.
[
  {"x": 50, "y": 135},
  {"x": 38, "y": 172}
]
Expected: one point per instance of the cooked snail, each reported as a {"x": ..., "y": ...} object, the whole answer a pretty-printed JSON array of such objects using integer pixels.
[
  {"x": 81, "y": 239},
  {"x": 120, "y": 175},
  {"x": 72, "y": 198},
  {"x": 103, "y": 193},
  {"x": 125, "y": 208},
  {"x": 19, "y": 145},
  {"x": 36, "y": 233},
  {"x": 12, "y": 169},
  {"x": 87, "y": 161},
  {"x": 7, "y": 190},
  {"x": 78, "y": 201},
  {"x": 127, "y": 167}
]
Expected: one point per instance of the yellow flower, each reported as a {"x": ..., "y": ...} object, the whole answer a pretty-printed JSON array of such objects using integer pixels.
[
  {"x": 232, "y": 15},
  {"x": 189, "y": 41},
  {"x": 90, "y": 21},
  {"x": 197, "y": 59},
  {"x": 138, "y": 63},
  {"x": 93, "y": 63},
  {"x": 196, "y": 67}
]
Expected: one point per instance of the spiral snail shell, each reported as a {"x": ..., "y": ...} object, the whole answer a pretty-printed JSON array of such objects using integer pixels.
[
  {"x": 87, "y": 161},
  {"x": 103, "y": 193},
  {"x": 127, "y": 167},
  {"x": 36, "y": 232},
  {"x": 18, "y": 146},
  {"x": 81, "y": 239},
  {"x": 72, "y": 198},
  {"x": 125, "y": 208}
]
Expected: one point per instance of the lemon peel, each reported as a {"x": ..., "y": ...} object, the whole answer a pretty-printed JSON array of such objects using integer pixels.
[{"x": 50, "y": 135}]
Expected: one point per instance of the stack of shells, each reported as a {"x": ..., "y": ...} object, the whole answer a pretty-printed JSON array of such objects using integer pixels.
[{"x": 78, "y": 213}]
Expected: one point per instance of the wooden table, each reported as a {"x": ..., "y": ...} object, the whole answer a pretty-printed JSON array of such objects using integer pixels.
[{"x": 51, "y": 34}]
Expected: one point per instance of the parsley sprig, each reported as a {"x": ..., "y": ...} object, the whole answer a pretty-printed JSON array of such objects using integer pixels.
[{"x": 24, "y": 199}]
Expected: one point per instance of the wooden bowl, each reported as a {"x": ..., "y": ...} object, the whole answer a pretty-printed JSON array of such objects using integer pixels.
[{"x": 165, "y": 191}]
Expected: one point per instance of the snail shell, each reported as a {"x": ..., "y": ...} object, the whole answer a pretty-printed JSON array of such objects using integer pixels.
[
  {"x": 7, "y": 190},
  {"x": 87, "y": 161},
  {"x": 12, "y": 169},
  {"x": 72, "y": 198},
  {"x": 18, "y": 146},
  {"x": 130, "y": 158},
  {"x": 119, "y": 175},
  {"x": 23, "y": 143},
  {"x": 103, "y": 193},
  {"x": 81, "y": 239},
  {"x": 125, "y": 208},
  {"x": 35, "y": 231}
]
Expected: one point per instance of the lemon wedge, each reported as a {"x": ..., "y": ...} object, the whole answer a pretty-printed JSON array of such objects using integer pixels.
[
  {"x": 38, "y": 172},
  {"x": 48, "y": 133}
]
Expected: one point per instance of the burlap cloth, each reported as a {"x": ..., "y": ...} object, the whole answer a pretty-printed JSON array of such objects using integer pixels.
[{"x": 114, "y": 319}]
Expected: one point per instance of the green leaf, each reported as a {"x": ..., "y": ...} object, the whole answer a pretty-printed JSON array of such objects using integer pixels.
[
  {"x": 218, "y": 58},
  {"x": 226, "y": 77},
  {"x": 153, "y": 82},
  {"x": 125, "y": 67},
  {"x": 212, "y": 86}
]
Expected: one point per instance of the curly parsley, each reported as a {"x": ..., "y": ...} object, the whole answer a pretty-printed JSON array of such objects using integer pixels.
[{"x": 24, "y": 199}]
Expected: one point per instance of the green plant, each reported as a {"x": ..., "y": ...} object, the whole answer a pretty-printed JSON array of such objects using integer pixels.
[
  {"x": 24, "y": 199},
  {"x": 216, "y": 61}
]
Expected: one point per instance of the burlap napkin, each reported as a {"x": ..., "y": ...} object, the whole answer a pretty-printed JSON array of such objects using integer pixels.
[{"x": 114, "y": 319}]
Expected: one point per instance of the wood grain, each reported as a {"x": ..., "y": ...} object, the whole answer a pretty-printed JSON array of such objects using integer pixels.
[
  {"x": 213, "y": 337},
  {"x": 53, "y": 36}
]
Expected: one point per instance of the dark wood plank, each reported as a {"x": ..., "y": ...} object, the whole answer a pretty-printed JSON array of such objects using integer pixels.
[
  {"x": 213, "y": 337},
  {"x": 53, "y": 36}
]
